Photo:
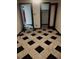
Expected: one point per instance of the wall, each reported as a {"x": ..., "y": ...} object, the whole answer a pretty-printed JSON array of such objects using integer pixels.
[
  {"x": 19, "y": 23},
  {"x": 58, "y": 19}
]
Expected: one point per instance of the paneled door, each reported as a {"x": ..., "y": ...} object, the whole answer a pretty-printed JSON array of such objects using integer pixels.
[
  {"x": 52, "y": 15},
  {"x": 26, "y": 12},
  {"x": 36, "y": 15},
  {"x": 53, "y": 12}
]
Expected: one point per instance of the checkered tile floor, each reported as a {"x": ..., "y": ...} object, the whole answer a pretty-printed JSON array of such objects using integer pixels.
[{"x": 39, "y": 44}]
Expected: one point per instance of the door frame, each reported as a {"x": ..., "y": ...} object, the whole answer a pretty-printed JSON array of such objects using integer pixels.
[
  {"x": 55, "y": 14},
  {"x": 31, "y": 13},
  {"x": 41, "y": 14}
]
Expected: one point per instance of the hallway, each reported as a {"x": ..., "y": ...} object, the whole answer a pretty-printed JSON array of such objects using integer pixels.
[{"x": 39, "y": 44}]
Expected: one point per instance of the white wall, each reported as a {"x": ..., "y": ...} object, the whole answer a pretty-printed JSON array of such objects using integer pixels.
[
  {"x": 58, "y": 19},
  {"x": 19, "y": 23}
]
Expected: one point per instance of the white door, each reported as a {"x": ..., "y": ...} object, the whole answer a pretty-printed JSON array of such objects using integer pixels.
[
  {"x": 36, "y": 15},
  {"x": 27, "y": 15},
  {"x": 52, "y": 15}
]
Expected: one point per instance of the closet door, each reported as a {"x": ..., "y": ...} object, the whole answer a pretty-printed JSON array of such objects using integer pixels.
[
  {"x": 23, "y": 15},
  {"x": 26, "y": 12},
  {"x": 36, "y": 15},
  {"x": 45, "y": 15},
  {"x": 52, "y": 15}
]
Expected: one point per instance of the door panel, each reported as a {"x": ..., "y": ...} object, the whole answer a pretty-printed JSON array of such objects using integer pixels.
[
  {"x": 45, "y": 17},
  {"x": 36, "y": 15},
  {"x": 52, "y": 15},
  {"x": 22, "y": 13},
  {"x": 45, "y": 7}
]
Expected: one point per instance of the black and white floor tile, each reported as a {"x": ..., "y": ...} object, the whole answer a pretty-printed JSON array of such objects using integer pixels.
[{"x": 39, "y": 44}]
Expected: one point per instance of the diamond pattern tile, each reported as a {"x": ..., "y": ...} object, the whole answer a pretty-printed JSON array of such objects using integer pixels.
[
  {"x": 31, "y": 42},
  {"x": 19, "y": 49},
  {"x": 25, "y": 38},
  {"x": 50, "y": 31},
  {"x": 39, "y": 37},
  {"x": 17, "y": 42},
  {"x": 58, "y": 34},
  {"x": 47, "y": 42},
  {"x": 45, "y": 34},
  {"x": 53, "y": 37},
  {"x": 58, "y": 48},
  {"x": 51, "y": 57},
  {"x": 39, "y": 49},
  {"x": 33, "y": 34},
  {"x": 27, "y": 57}
]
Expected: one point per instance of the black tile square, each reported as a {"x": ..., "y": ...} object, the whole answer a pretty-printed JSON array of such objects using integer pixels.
[
  {"x": 19, "y": 49},
  {"x": 58, "y": 34},
  {"x": 17, "y": 42},
  {"x": 25, "y": 38},
  {"x": 50, "y": 31},
  {"x": 39, "y": 49},
  {"x": 45, "y": 34},
  {"x": 53, "y": 37},
  {"x": 47, "y": 42},
  {"x": 31, "y": 42},
  {"x": 39, "y": 37},
  {"x": 27, "y": 57},
  {"x": 39, "y": 31},
  {"x": 33, "y": 34},
  {"x": 58, "y": 48},
  {"x": 51, "y": 57}
]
